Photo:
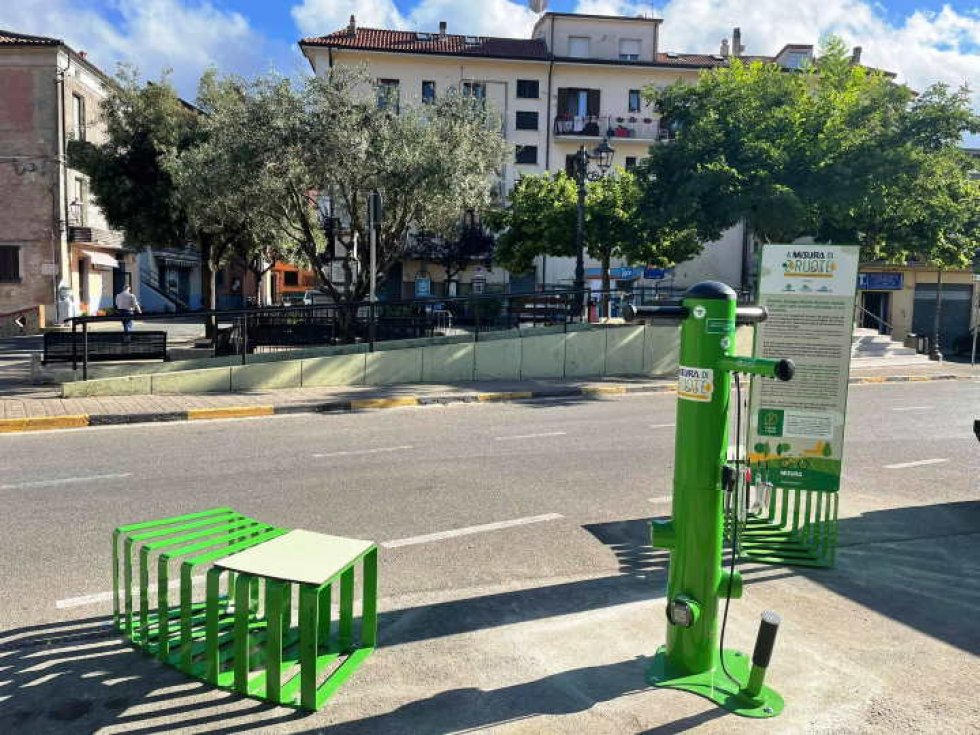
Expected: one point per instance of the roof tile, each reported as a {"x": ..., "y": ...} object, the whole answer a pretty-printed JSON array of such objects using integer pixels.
[
  {"x": 10, "y": 38},
  {"x": 379, "y": 39}
]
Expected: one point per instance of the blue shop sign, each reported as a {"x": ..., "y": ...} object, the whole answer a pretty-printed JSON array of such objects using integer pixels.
[
  {"x": 880, "y": 281},
  {"x": 657, "y": 274},
  {"x": 616, "y": 274}
]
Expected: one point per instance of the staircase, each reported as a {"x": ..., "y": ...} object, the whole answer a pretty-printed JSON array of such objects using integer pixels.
[
  {"x": 871, "y": 349},
  {"x": 150, "y": 279}
]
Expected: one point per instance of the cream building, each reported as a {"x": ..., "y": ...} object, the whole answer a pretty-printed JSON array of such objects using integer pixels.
[
  {"x": 56, "y": 249},
  {"x": 576, "y": 80}
]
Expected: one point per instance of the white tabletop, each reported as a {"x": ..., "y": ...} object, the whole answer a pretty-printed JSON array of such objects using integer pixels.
[{"x": 297, "y": 556}]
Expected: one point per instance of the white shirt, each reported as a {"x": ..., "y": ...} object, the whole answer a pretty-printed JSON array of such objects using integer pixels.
[{"x": 126, "y": 300}]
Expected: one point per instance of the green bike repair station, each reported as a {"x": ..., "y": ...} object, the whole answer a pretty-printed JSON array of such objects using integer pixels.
[{"x": 709, "y": 489}]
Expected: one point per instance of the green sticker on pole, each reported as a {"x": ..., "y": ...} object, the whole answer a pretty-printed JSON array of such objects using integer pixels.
[{"x": 797, "y": 428}]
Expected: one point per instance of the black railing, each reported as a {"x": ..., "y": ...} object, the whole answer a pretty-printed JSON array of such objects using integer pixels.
[
  {"x": 283, "y": 328},
  {"x": 244, "y": 332}
]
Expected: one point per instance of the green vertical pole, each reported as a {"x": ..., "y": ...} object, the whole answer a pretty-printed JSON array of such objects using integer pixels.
[
  {"x": 691, "y": 659},
  {"x": 346, "y": 627},
  {"x": 241, "y": 643},
  {"x": 213, "y": 609},
  {"x": 274, "y": 595},
  {"x": 308, "y": 645},
  {"x": 369, "y": 614}
]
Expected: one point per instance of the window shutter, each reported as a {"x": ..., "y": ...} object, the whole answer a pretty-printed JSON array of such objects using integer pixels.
[
  {"x": 593, "y": 102},
  {"x": 564, "y": 100}
]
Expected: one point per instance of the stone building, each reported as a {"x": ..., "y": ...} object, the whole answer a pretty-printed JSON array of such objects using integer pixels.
[{"x": 56, "y": 249}]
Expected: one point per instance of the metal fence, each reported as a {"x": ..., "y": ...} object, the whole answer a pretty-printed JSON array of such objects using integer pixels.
[{"x": 243, "y": 332}]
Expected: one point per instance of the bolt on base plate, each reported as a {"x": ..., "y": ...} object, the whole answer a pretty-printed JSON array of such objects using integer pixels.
[{"x": 717, "y": 687}]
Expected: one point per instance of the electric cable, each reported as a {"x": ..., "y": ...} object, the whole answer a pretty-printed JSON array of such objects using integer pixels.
[{"x": 733, "y": 520}]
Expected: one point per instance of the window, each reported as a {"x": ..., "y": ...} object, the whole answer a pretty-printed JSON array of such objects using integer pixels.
[
  {"x": 80, "y": 195},
  {"x": 578, "y": 46},
  {"x": 476, "y": 90},
  {"x": 388, "y": 94},
  {"x": 527, "y": 154},
  {"x": 9, "y": 264},
  {"x": 78, "y": 117},
  {"x": 634, "y": 100},
  {"x": 629, "y": 49},
  {"x": 796, "y": 60},
  {"x": 527, "y": 121},
  {"x": 428, "y": 91},
  {"x": 630, "y": 163},
  {"x": 527, "y": 89},
  {"x": 290, "y": 278}
]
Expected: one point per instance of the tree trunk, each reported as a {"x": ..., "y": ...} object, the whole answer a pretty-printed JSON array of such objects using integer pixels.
[
  {"x": 605, "y": 283},
  {"x": 207, "y": 284},
  {"x": 934, "y": 352}
]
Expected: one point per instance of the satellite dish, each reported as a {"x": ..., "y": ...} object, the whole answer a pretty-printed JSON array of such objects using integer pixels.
[{"x": 538, "y": 6}]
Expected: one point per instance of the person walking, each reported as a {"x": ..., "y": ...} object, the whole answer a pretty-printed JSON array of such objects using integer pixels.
[{"x": 127, "y": 305}]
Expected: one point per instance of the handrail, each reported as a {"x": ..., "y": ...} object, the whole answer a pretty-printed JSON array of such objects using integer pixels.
[
  {"x": 148, "y": 277},
  {"x": 881, "y": 322}
]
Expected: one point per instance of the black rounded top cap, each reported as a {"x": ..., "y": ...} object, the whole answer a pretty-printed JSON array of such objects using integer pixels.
[
  {"x": 785, "y": 369},
  {"x": 710, "y": 290}
]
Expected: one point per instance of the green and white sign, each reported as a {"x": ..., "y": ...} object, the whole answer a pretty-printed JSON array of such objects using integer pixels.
[{"x": 796, "y": 428}]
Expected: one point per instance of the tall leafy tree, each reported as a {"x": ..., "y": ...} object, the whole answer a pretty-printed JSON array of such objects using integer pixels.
[
  {"x": 144, "y": 123},
  {"x": 287, "y": 149},
  {"x": 540, "y": 219}
]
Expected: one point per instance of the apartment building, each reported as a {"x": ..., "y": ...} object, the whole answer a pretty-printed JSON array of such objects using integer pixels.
[
  {"x": 56, "y": 249},
  {"x": 576, "y": 80}
]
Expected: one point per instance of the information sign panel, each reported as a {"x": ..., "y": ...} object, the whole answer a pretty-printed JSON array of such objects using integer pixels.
[{"x": 796, "y": 428}]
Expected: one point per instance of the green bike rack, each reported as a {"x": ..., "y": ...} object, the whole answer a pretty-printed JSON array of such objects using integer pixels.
[
  {"x": 235, "y": 640},
  {"x": 691, "y": 660}
]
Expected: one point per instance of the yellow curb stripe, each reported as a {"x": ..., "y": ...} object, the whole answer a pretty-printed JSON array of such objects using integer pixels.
[
  {"x": 604, "y": 390},
  {"x": 918, "y": 378},
  {"x": 43, "y": 423},
  {"x": 505, "y": 395},
  {"x": 11, "y": 425},
  {"x": 873, "y": 379},
  {"x": 384, "y": 402},
  {"x": 229, "y": 412}
]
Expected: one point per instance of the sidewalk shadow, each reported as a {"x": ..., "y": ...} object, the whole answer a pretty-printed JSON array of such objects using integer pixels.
[
  {"x": 568, "y": 692},
  {"x": 916, "y": 565},
  {"x": 81, "y": 676}
]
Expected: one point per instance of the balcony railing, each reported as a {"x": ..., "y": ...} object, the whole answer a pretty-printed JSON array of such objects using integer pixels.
[
  {"x": 96, "y": 236},
  {"x": 637, "y": 127}
]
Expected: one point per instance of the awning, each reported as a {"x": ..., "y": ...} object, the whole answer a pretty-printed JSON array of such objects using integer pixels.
[{"x": 101, "y": 260}]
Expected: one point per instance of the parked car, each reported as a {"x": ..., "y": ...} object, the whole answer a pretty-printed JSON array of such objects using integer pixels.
[
  {"x": 292, "y": 299},
  {"x": 316, "y": 298}
]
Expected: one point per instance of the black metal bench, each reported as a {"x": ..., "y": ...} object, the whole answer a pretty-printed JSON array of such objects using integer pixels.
[{"x": 103, "y": 346}]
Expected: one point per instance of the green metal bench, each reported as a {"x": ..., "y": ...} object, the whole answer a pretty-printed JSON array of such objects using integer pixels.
[{"x": 235, "y": 640}]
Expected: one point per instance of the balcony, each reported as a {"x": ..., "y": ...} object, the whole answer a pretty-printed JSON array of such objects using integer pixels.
[
  {"x": 95, "y": 236},
  {"x": 631, "y": 126}
]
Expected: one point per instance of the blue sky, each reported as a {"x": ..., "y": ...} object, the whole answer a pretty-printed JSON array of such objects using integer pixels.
[{"x": 923, "y": 41}]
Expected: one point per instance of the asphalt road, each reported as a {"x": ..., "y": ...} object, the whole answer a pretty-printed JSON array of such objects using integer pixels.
[{"x": 570, "y": 482}]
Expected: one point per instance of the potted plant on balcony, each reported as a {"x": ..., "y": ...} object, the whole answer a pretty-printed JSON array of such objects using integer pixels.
[
  {"x": 647, "y": 120},
  {"x": 620, "y": 119}
]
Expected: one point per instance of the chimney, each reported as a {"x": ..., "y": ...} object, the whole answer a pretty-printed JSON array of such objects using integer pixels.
[
  {"x": 352, "y": 26},
  {"x": 856, "y": 56},
  {"x": 724, "y": 47},
  {"x": 737, "y": 47},
  {"x": 442, "y": 29},
  {"x": 83, "y": 55}
]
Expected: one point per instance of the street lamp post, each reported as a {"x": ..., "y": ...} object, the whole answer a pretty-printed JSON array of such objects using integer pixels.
[{"x": 602, "y": 155}]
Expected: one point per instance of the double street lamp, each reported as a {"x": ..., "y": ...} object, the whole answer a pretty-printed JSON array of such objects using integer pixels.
[{"x": 603, "y": 156}]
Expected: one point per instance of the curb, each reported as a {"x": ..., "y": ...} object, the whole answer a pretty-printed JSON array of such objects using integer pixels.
[{"x": 78, "y": 421}]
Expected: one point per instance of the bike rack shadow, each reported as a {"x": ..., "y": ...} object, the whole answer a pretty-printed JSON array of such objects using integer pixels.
[{"x": 81, "y": 676}]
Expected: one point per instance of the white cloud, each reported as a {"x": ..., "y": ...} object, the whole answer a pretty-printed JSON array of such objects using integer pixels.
[
  {"x": 487, "y": 18},
  {"x": 186, "y": 36},
  {"x": 925, "y": 48}
]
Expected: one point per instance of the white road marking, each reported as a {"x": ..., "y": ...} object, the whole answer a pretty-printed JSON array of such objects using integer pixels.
[
  {"x": 64, "y": 481},
  {"x": 441, "y": 535},
  {"x": 529, "y": 436},
  {"x": 98, "y": 597},
  {"x": 913, "y": 408},
  {"x": 353, "y": 452},
  {"x": 917, "y": 463},
  {"x": 661, "y": 426}
]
